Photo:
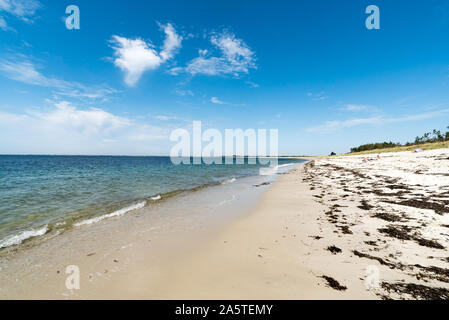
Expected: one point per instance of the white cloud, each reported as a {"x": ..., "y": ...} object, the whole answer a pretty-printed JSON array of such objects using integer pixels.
[
  {"x": 172, "y": 42},
  {"x": 252, "y": 84},
  {"x": 135, "y": 56},
  {"x": 22, "y": 69},
  {"x": 67, "y": 129},
  {"x": 67, "y": 117},
  {"x": 172, "y": 118},
  {"x": 93, "y": 120},
  {"x": 317, "y": 96},
  {"x": 81, "y": 92},
  {"x": 25, "y": 71},
  {"x": 216, "y": 100},
  {"x": 184, "y": 93},
  {"x": 3, "y": 24},
  {"x": 358, "y": 108},
  {"x": 235, "y": 58},
  {"x": 336, "y": 125},
  {"x": 163, "y": 118},
  {"x": 21, "y": 9}
]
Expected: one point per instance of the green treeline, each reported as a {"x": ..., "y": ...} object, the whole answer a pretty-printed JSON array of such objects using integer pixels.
[{"x": 434, "y": 136}]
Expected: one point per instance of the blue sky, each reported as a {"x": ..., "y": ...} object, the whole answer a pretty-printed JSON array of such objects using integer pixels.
[{"x": 136, "y": 70}]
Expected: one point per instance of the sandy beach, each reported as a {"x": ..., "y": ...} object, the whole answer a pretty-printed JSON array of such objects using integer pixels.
[{"x": 333, "y": 228}]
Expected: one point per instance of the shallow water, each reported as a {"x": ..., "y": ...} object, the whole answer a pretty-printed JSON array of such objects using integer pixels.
[{"x": 39, "y": 194}]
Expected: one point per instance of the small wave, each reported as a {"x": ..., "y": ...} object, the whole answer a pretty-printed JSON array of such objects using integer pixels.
[
  {"x": 268, "y": 171},
  {"x": 158, "y": 197},
  {"x": 113, "y": 214},
  {"x": 285, "y": 165},
  {"x": 229, "y": 181},
  {"x": 20, "y": 237}
]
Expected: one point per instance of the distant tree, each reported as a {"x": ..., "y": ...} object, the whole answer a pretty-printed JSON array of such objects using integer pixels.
[
  {"x": 373, "y": 146},
  {"x": 333, "y": 153},
  {"x": 434, "y": 136}
]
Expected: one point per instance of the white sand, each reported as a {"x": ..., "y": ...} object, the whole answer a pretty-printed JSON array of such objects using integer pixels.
[{"x": 274, "y": 252}]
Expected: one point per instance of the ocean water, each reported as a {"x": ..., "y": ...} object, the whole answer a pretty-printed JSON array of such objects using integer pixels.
[{"x": 40, "y": 194}]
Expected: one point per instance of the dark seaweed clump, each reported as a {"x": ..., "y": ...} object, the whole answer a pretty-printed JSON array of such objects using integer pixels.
[
  {"x": 403, "y": 233},
  {"x": 334, "y": 249},
  {"x": 417, "y": 291},
  {"x": 387, "y": 216},
  {"x": 422, "y": 204},
  {"x": 364, "y": 205},
  {"x": 334, "y": 284}
]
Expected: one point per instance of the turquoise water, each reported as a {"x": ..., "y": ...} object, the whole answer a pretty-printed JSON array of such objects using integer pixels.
[{"x": 43, "y": 193}]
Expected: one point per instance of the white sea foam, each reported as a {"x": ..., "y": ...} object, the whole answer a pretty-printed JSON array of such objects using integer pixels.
[
  {"x": 158, "y": 197},
  {"x": 268, "y": 171},
  {"x": 285, "y": 165},
  {"x": 22, "y": 236},
  {"x": 112, "y": 214},
  {"x": 229, "y": 181},
  {"x": 228, "y": 200}
]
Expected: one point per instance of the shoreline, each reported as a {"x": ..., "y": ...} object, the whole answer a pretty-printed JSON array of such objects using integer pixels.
[
  {"x": 331, "y": 228},
  {"x": 334, "y": 228},
  {"x": 80, "y": 212},
  {"x": 165, "y": 230}
]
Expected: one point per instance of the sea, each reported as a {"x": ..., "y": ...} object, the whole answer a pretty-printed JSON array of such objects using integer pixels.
[{"x": 42, "y": 194}]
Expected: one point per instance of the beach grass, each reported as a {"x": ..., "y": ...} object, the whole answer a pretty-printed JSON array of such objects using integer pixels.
[{"x": 423, "y": 146}]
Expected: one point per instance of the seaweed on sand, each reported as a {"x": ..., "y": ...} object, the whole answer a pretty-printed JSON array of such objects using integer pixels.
[
  {"x": 387, "y": 216},
  {"x": 434, "y": 272},
  {"x": 422, "y": 204},
  {"x": 364, "y": 205},
  {"x": 417, "y": 291},
  {"x": 380, "y": 260},
  {"x": 334, "y": 284},
  {"x": 334, "y": 249},
  {"x": 403, "y": 233},
  {"x": 345, "y": 229},
  {"x": 398, "y": 232}
]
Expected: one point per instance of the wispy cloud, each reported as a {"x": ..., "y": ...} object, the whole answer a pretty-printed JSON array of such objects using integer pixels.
[
  {"x": 172, "y": 118},
  {"x": 25, "y": 71},
  {"x": 21, "y": 69},
  {"x": 333, "y": 126},
  {"x": 184, "y": 93},
  {"x": 136, "y": 56},
  {"x": 172, "y": 42},
  {"x": 252, "y": 84},
  {"x": 21, "y": 9},
  {"x": 3, "y": 24},
  {"x": 215, "y": 100},
  {"x": 358, "y": 108},
  {"x": 163, "y": 118},
  {"x": 317, "y": 96},
  {"x": 68, "y": 129},
  {"x": 235, "y": 58},
  {"x": 92, "y": 120}
]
